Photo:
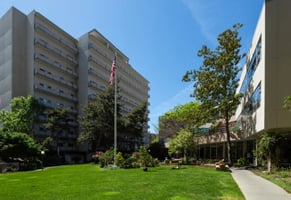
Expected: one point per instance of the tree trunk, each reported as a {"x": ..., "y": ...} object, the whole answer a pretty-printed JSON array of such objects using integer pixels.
[
  {"x": 269, "y": 161},
  {"x": 229, "y": 159}
]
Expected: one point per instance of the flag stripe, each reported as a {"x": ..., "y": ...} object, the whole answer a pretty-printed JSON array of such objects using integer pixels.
[{"x": 113, "y": 68}]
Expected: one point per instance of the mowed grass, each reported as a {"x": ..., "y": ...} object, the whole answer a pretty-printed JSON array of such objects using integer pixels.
[{"x": 89, "y": 181}]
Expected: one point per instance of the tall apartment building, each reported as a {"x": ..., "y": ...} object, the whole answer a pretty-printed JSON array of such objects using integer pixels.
[
  {"x": 40, "y": 59},
  {"x": 96, "y": 56},
  {"x": 264, "y": 82}
]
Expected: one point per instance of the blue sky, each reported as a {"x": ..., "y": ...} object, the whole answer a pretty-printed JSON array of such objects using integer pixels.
[{"x": 160, "y": 37}]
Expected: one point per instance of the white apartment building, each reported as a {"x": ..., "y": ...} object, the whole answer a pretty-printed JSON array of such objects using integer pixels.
[
  {"x": 40, "y": 59},
  {"x": 265, "y": 81}
]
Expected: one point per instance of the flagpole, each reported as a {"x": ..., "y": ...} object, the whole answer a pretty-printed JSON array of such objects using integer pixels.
[{"x": 115, "y": 114}]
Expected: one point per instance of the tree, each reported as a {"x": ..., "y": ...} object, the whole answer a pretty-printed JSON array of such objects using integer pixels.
[
  {"x": 158, "y": 150},
  {"x": 17, "y": 145},
  {"x": 145, "y": 157},
  {"x": 23, "y": 115},
  {"x": 186, "y": 115},
  {"x": 58, "y": 121},
  {"x": 266, "y": 149},
  {"x": 136, "y": 122},
  {"x": 183, "y": 143},
  {"x": 97, "y": 121},
  {"x": 216, "y": 81}
]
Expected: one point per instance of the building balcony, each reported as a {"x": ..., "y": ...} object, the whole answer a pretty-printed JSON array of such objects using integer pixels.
[
  {"x": 55, "y": 92},
  {"x": 55, "y": 78},
  {"x": 55, "y": 50},
  {"x": 56, "y": 37},
  {"x": 56, "y": 64},
  {"x": 97, "y": 86}
]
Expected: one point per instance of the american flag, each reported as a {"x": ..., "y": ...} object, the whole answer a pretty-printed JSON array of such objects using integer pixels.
[{"x": 113, "y": 68}]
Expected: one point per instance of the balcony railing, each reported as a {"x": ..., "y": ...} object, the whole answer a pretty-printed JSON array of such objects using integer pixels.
[
  {"x": 56, "y": 37},
  {"x": 55, "y": 64}
]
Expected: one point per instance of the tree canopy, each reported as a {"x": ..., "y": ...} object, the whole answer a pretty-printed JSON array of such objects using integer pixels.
[
  {"x": 183, "y": 143},
  {"x": 58, "y": 121},
  {"x": 97, "y": 121},
  {"x": 136, "y": 121},
  {"x": 16, "y": 131},
  {"x": 216, "y": 80},
  {"x": 17, "y": 145},
  {"x": 187, "y": 115},
  {"x": 24, "y": 113}
]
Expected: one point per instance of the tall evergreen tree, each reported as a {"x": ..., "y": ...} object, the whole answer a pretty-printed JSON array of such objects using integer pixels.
[
  {"x": 58, "y": 122},
  {"x": 97, "y": 121},
  {"x": 216, "y": 80},
  {"x": 135, "y": 124}
]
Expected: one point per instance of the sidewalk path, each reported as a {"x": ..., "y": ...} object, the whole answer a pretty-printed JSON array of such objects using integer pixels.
[{"x": 255, "y": 188}]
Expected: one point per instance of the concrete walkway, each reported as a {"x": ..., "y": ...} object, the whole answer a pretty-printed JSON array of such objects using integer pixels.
[{"x": 255, "y": 188}]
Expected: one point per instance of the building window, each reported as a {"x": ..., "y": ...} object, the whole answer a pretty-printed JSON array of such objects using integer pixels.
[
  {"x": 254, "y": 102},
  {"x": 256, "y": 98},
  {"x": 252, "y": 66}
]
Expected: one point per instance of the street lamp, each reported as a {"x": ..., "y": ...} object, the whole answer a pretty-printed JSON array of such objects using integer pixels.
[{"x": 42, "y": 158}]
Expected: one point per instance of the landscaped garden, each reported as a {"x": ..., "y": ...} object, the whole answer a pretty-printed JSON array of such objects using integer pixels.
[{"x": 89, "y": 181}]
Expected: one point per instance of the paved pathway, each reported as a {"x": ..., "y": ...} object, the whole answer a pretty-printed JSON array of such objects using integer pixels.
[{"x": 256, "y": 188}]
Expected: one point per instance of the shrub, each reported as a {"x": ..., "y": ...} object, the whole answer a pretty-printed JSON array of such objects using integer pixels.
[
  {"x": 120, "y": 161},
  {"x": 107, "y": 158},
  {"x": 241, "y": 162}
]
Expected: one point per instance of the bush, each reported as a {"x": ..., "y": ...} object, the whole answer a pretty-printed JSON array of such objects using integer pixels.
[
  {"x": 120, "y": 161},
  {"x": 241, "y": 162},
  {"x": 131, "y": 162},
  {"x": 107, "y": 158}
]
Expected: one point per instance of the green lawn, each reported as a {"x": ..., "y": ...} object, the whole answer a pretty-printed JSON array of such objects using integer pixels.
[{"x": 88, "y": 181}]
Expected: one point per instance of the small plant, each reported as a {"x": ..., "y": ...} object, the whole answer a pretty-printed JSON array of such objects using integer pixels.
[
  {"x": 145, "y": 158},
  {"x": 106, "y": 158},
  {"x": 120, "y": 161},
  {"x": 241, "y": 162}
]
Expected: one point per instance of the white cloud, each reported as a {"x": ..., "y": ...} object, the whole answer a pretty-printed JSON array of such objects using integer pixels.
[{"x": 181, "y": 97}]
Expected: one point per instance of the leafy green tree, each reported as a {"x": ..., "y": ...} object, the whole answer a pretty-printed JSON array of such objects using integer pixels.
[
  {"x": 216, "y": 81},
  {"x": 17, "y": 131},
  {"x": 145, "y": 157},
  {"x": 23, "y": 115},
  {"x": 266, "y": 148},
  {"x": 183, "y": 143},
  {"x": 97, "y": 121},
  {"x": 58, "y": 122},
  {"x": 136, "y": 123},
  {"x": 186, "y": 115},
  {"x": 17, "y": 145}
]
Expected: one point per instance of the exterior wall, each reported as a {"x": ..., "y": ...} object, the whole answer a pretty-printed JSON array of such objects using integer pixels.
[
  {"x": 13, "y": 72},
  {"x": 252, "y": 122},
  {"x": 278, "y": 61},
  {"x": 95, "y": 58},
  {"x": 272, "y": 72},
  {"x": 52, "y": 58}
]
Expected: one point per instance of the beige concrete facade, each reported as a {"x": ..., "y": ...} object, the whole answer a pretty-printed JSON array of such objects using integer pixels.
[{"x": 98, "y": 54}]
